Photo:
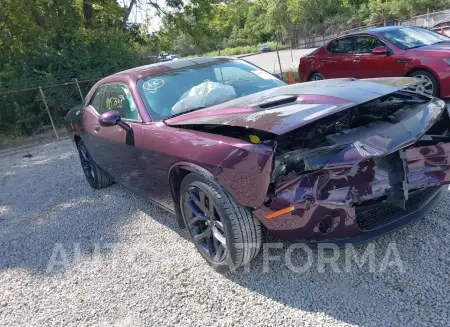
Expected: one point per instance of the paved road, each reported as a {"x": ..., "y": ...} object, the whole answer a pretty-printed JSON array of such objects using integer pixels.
[
  {"x": 73, "y": 256},
  {"x": 269, "y": 61}
]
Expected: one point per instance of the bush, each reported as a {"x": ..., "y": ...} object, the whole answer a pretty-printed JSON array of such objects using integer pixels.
[{"x": 85, "y": 54}]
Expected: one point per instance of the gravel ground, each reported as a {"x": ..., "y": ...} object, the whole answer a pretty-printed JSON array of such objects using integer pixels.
[{"x": 127, "y": 264}]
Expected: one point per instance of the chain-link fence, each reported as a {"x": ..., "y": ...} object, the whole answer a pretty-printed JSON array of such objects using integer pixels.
[
  {"x": 38, "y": 104},
  {"x": 38, "y": 109}
]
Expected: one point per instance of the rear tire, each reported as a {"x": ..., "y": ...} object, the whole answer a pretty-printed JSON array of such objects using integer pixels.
[
  {"x": 430, "y": 87},
  {"x": 95, "y": 176},
  {"x": 225, "y": 233},
  {"x": 316, "y": 77}
]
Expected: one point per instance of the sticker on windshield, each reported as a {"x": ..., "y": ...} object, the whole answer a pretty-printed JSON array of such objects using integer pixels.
[
  {"x": 263, "y": 74},
  {"x": 153, "y": 84}
]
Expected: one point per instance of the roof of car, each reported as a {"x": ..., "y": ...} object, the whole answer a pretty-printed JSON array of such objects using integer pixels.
[
  {"x": 375, "y": 30},
  {"x": 384, "y": 29},
  {"x": 169, "y": 65}
]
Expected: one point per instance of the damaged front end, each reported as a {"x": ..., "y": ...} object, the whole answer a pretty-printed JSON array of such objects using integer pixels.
[{"x": 359, "y": 171}]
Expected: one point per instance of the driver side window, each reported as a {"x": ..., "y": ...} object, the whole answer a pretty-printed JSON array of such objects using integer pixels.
[
  {"x": 118, "y": 97},
  {"x": 365, "y": 44}
]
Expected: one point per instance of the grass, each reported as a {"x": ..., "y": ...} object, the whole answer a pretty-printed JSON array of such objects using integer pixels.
[
  {"x": 294, "y": 75},
  {"x": 244, "y": 49},
  {"x": 8, "y": 138}
]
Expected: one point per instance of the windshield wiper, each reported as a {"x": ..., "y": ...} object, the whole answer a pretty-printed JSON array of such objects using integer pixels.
[{"x": 183, "y": 112}]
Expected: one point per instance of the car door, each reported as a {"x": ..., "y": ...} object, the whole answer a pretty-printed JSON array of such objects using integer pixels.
[
  {"x": 339, "y": 58},
  {"x": 375, "y": 65},
  {"x": 113, "y": 147}
]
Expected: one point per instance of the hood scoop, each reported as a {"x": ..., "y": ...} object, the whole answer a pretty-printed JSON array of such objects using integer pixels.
[{"x": 271, "y": 102}]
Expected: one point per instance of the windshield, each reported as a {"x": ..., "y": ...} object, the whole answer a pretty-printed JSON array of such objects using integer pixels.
[
  {"x": 203, "y": 85},
  {"x": 413, "y": 37}
]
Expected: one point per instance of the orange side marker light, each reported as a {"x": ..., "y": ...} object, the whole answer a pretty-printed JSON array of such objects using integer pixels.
[{"x": 280, "y": 212}]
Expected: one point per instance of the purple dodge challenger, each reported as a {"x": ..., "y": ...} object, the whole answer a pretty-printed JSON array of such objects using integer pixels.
[{"x": 232, "y": 150}]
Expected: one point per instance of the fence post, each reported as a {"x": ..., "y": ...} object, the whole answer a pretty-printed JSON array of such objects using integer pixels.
[
  {"x": 48, "y": 112},
  {"x": 279, "y": 61},
  {"x": 79, "y": 90}
]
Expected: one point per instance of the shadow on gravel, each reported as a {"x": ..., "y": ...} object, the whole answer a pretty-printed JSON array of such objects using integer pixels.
[{"x": 46, "y": 205}]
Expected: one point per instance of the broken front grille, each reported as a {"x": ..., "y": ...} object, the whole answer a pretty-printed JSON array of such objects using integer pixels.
[{"x": 372, "y": 216}]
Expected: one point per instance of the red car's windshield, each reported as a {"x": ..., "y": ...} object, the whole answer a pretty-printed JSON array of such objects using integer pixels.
[
  {"x": 201, "y": 86},
  {"x": 413, "y": 37}
]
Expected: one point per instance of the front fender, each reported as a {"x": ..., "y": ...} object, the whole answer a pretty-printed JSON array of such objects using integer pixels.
[{"x": 244, "y": 173}]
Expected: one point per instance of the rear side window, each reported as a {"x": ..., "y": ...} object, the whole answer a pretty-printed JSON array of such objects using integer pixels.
[
  {"x": 97, "y": 100},
  {"x": 341, "y": 46},
  {"x": 365, "y": 44}
]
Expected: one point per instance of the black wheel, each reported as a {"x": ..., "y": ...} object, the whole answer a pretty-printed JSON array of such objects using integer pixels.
[
  {"x": 430, "y": 86},
  {"x": 226, "y": 234},
  {"x": 96, "y": 177},
  {"x": 316, "y": 77}
]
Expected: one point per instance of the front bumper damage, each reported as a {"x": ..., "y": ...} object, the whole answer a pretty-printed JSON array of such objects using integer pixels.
[{"x": 387, "y": 179}]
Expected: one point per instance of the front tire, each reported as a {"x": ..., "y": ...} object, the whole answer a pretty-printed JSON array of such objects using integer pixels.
[
  {"x": 225, "y": 233},
  {"x": 95, "y": 176}
]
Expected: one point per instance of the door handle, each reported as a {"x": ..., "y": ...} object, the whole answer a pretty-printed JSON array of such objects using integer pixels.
[
  {"x": 325, "y": 60},
  {"x": 356, "y": 60},
  {"x": 96, "y": 128}
]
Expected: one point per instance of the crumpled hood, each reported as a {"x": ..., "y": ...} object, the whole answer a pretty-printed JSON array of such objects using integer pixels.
[{"x": 283, "y": 109}]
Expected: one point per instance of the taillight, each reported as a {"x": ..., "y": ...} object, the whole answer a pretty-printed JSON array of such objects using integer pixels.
[{"x": 307, "y": 60}]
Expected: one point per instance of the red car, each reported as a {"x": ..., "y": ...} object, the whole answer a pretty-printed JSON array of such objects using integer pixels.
[{"x": 384, "y": 52}]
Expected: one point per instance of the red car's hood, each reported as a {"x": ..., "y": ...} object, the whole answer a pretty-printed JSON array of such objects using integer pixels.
[
  {"x": 283, "y": 109},
  {"x": 439, "y": 47}
]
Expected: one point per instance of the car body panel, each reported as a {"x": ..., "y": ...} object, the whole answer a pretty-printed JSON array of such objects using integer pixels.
[
  {"x": 428, "y": 165},
  {"x": 145, "y": 167}
]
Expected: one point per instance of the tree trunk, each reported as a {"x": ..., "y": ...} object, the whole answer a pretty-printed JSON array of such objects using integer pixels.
[
  {"x": 88, "y": 13},
  {"x": 128, "y": 12}
]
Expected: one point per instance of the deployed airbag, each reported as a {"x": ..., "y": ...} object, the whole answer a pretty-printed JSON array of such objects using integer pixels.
[{"x": 206, "y": 94}]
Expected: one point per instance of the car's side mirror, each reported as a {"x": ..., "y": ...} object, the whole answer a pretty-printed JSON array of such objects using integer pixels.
[
  {"x": 380, "y": 51},
  {"x": 112, "y": 118}
]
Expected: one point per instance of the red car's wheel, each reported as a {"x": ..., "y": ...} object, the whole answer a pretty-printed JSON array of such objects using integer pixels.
[
  {"x": 226, "y": 234},
  {"x": 95, "y": 176},
  {"x": 316, "y": 77},
  {"x": 429, "y": 87}
]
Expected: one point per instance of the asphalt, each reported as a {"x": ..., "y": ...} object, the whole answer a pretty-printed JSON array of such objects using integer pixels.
[{"x": 269, "y": 60}]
